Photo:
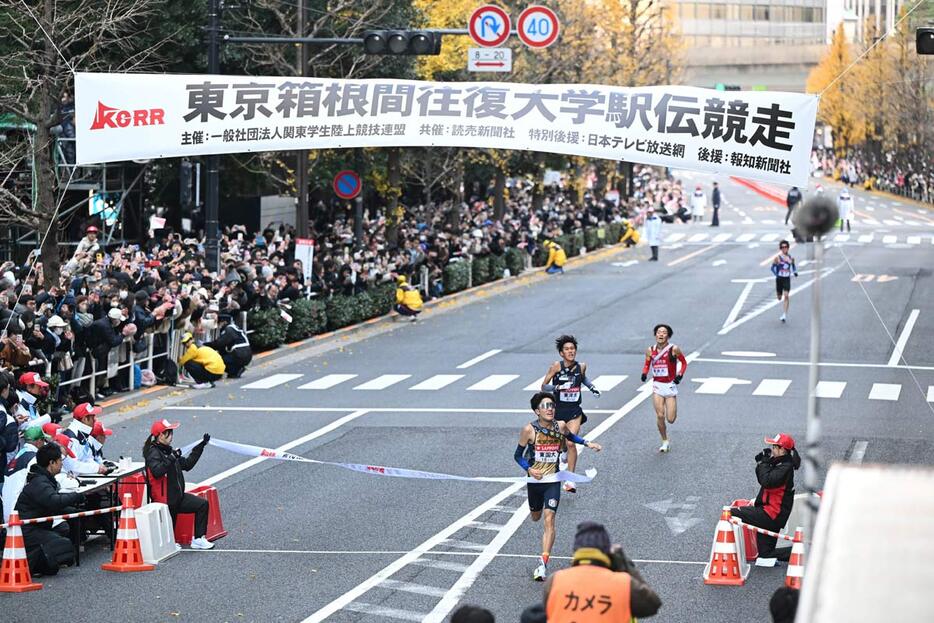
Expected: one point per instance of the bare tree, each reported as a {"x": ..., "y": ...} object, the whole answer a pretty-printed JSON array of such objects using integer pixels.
[
  {"x": 43, "y": 42},
  {"x": 432, "y": 168}
]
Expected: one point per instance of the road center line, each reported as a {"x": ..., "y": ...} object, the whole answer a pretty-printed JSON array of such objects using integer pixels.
[
  {"x": 324, "y": 430},
  {"x": 903, "y": 338},
  {"x": 480, "y": 358}
]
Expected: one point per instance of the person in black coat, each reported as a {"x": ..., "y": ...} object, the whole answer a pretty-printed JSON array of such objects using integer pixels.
[
  {"x": 233, "y": 346},
  {"x": 47, "y": 548},
  {"x": 100, "y": 337},
  {"x": 775, "y": 471},
  {"x": 164, "y": 467},
  {"x": 715, "y": 199}
]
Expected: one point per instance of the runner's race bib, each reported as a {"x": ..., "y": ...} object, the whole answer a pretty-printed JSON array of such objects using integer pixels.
[
  {"x": 547, "y": 452},
  {"x": 571, "y": 394},
  {"x": 660, "y": 369}
]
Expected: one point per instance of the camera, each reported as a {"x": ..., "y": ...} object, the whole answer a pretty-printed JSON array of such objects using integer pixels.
[{"x": 765, "y": 454}]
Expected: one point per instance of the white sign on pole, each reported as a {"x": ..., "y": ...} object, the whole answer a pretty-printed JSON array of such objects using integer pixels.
[
  {"x": 305, "y": 252},
  {"x": 489, "y": 59}
]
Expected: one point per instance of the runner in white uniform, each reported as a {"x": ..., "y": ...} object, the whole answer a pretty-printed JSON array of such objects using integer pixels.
[{"x": 662, "y": 360}]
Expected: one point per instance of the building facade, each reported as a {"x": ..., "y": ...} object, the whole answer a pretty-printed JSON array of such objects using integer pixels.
[{"x": 854, "y": 14}]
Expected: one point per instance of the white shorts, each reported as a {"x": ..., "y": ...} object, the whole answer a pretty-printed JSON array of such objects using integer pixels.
[{"x": 665, "y": 390}]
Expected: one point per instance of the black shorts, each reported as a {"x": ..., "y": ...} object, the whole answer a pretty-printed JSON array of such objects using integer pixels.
[
  {"x": 782, "y": 284},
  {"x": 567, "y": 416},
  {"x": 544, "y": 495}
]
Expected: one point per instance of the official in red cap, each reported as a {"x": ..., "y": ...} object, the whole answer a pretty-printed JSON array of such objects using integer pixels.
[
  {"x": 32, "y": 388},
  {"x": 85, "y": 461},
  {"x": 775, "y": 471},
  {"x": 164, "y": 467}
]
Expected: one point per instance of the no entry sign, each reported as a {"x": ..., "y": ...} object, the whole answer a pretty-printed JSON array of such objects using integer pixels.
[{"x": 347, "y": 185}]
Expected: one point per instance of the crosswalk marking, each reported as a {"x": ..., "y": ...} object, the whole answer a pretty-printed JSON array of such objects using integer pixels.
[
  {"x": 606, "y": 382},
  {"x": 768, "y": 221},
  {"x": 772, "y": 387},
  {"x": 384, "y": 611},
  {"x": 272, "y": 381},
  {"x": 437, "y": 382},
  {"x": 885, "y": 391},
  {"x": 745, "y": 237},
  {"x": 722, "y": 237},
  {"x": 409, "y": 587},
  {"x": 697, "y": 237},
  {"x": 890, "y": 222},
  {"x": 841, "y": 237},
  {"x": 871, "y": 221},
  {"x": 930, "y": 393},
  {"x": 328, "y": 381},
  {"x": 769, "y": 238},
  {"x": 674, "y": 237},
  {"x": 914, "y": 239},
  {"x": 536, "y": 386},
  {"x": 382, "y": 382},
  {"x": 913, "y": 223},
  {"x": 866, "y": 238},
  {"x": 889, "y": 239},
  {"x": 829, "y": 389},
  {"x": 493, "y": 382},
  {"x": 479, "y": 358}
]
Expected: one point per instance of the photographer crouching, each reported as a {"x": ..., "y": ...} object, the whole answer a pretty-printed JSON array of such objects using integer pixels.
[
  {"x": 775, "y": 471},
  {"x": 602, "y": 583}
]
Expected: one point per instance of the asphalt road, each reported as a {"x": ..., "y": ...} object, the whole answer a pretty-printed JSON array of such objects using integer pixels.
[{"x": 309, "y": 543}]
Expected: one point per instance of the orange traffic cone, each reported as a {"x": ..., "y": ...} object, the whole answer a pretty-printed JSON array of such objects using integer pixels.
[
  {"x": 14, "y": 574},
  {"x": 796, "y": 561},
  {"x": 128, "y": 556},
  {"x": 725, "y": 567}
]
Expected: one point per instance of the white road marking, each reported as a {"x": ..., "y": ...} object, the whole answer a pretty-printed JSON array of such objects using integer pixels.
[
  {"x": 534, "y": 387},
  {"x": 740, "y": 301},
  {"x": 930, "y": 397},
  {"x": 859, "y": 451},
  {"x": 368, "y": 409},
  {"x": 913, "y": 223},
  {"x": 698, "y": 237},
  {"x": 889, "y": 239},
  {"x": 841, "y": 237},
  {"x": 384, "y": 611},
  {"x": 674, "y": 237},
  {"x": 722, "y": 237},
  {"x": 410, "y": 587},
  {"x": 745, "y": 237},
  {"x": 903, "y": 338},
  {"x": 769, "y": 238},
  {"x": 480, "y": 358},
  {"x": 756, "y": 312},
  {"x": 866, "y": 238},
  {"x": 444, "y": 565},
  {"x": 718, "y": 384},
  {"x": 272, "y": 381},
  {"x": 891, "y": 222},
  {"x": 746, "y": 353},
  {"x": 772, "y": 387},
  {"x": 871, "y": 221},
  {"x": 914, "y": 239},
  {"x": 626, "y": 264},
  {"x": 768, "y": 221},
  {"x": 437, "y": 382},
  {"x": 485, "y": 525},
  {"x": 829, "y": 389},
  {"x": 324, "y": 430},
  {"x": 468, "y": 545},
  {"x": 885, "y": 391},
  {"x": 606, "y": 382},
  {"x": 328, "y": 381},
  {"x": 493, "y": 382},
  {"x": 824, "y": 364},
  {"x": 382, "y": 382},
  {"x": 719, "y": 262}
]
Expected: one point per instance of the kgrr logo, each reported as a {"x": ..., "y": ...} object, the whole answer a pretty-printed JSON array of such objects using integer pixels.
[{"x": 108, "y": 117}]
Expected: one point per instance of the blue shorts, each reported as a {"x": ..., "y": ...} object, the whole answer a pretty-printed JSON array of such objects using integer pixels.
[{"x": 545, "y": 495}]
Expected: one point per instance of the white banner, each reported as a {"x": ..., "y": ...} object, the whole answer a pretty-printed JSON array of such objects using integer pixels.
[
  {"x": 305, "y": 251},
  {"x": 753, "y": 134},
  {"x": 381, "y": 470}
]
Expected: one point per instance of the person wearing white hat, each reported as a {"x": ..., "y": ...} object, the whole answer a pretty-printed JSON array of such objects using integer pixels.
[
  {"x": 698, "y": 204},
  {"x": 845, "y": 206}
]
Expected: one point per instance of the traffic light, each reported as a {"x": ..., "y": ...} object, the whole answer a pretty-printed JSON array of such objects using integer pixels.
[
  {"x": 924, "y": 40},
  {"x": 402, "y": 42}
]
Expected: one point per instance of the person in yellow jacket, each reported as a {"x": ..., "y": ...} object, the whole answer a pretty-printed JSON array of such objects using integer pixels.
[
  {"x": 204, "y": 364},
  {"x": 408, "y": 299},
  {"x": 601, "y": 586},
  {"x": 630, "y": 234},
  {"x": 556, "y": 257}
]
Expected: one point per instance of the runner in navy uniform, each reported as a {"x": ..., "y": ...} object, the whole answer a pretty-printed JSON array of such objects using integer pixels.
[
  {"x": 564, "y": 379},
  {"x": 783, "y": 266},
  {"x": 662, "y": 360},
  {"x": 540, "y": 445}
]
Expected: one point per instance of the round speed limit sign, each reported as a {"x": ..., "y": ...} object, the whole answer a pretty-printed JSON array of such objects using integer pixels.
[{"x": 538, "y": 26}]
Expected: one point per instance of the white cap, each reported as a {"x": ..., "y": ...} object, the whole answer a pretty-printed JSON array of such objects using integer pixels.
[
  {"x": 116, "y": 314},
  {"x": 56, "y": 321}
]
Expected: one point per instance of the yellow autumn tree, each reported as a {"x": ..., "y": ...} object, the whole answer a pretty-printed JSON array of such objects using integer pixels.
[
  {"x": 839, "y": 105},
  {"x": 445, "y": 14}
]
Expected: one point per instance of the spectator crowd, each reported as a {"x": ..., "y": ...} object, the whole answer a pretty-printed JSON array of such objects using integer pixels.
[{"x": 906, "y": 172}]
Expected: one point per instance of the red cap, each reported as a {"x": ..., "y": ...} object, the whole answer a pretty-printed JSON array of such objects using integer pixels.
[
  {"x": 99, "y": 430},
  {"x": 782, "y": 439},
  {"x": 65, "y": 443},
  {"x": 91, "y": 230},
  {"x": 160, "y": 426},
  {"x": 32, "y": 378},
  {"x": 50, "y": 429},
  {"x": 86, "y": 409}
]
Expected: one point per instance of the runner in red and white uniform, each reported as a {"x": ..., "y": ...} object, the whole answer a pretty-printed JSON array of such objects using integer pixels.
[{"x": 662, "y": 360}]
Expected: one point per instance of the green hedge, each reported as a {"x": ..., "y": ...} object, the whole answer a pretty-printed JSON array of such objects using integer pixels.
[
  {"x": 269, "y": 328},
  {"x": 497, "y": 266},
  {"x": 341, "y": 311},
  {"x": 540, "y": 256},
  {"x": 309, "y": 317},
  {"x": 480, "y": 265},
  {"x": 384, "y": 297},
  {"x": 592, "y": 239},
  {"x": 456, "y": 276},
  {"x": 515, "y": 260},
  {"x": 613, "y": 233}
]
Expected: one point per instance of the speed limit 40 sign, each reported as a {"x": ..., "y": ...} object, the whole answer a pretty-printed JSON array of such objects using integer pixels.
[{"x": 538, "y": 26}]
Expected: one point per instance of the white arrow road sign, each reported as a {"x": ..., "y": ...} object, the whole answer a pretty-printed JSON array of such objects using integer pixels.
[
  {"x": 684, "y": 520},
  {"x": 489, "y": 59}
]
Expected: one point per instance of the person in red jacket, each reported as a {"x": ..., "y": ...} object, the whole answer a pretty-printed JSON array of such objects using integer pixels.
[
  {"x": 164, "y": 467},
  {"x": 775, "y": 471}
]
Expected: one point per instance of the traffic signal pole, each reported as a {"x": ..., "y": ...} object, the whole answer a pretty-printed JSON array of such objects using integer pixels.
[
  {"x": 301, "y": 166},
  {"x": 212, "y": 174}
]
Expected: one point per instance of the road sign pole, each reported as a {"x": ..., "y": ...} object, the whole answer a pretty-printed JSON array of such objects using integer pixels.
[{"x": 212, "y": 173}]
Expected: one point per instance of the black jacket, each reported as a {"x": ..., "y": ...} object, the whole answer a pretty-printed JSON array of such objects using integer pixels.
[
  {"x": 101, "y": 336},
  {"x": 794, "y": 196},
  {"x": 41, "y": 497},
  {"x": 776, "y": 476},
  {"x": 164, "y": 471},
  {"x": 229, "y": 338}
]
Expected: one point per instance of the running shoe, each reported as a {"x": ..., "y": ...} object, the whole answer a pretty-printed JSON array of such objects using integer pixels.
[
  {"x": 202, "y": 386},
  {"x": 782, "y": 318},
  {"x": 664, "y": 447},
  {"x": 201, "y": 543},
  {"x": 540, "y": 573},
  {"x": 570, "y": 487}
]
